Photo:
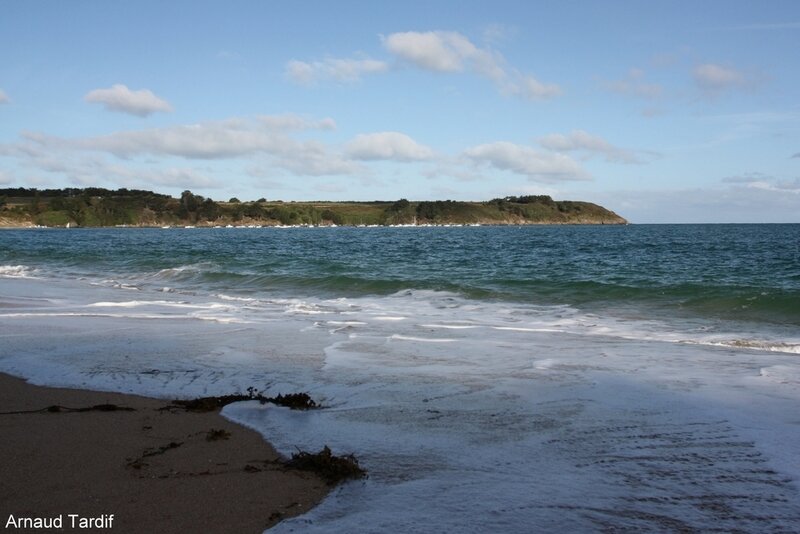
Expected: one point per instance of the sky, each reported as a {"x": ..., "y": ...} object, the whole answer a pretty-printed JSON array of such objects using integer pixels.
[{"x": 671, "y": 111}]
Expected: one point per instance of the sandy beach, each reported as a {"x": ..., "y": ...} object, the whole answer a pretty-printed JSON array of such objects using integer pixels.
[{"x": 153, "y": 470}]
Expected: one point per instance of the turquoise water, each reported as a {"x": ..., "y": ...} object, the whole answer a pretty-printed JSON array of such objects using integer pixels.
[{"x": 736, "y": 272}]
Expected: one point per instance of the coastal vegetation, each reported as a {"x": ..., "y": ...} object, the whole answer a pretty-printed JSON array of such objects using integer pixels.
[{"x": 97, "y": 207}]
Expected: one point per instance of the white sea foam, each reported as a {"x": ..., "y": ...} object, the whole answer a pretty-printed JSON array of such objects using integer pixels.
[
  {"x": 753, "y": 344},
  {"x": 234, "y": 298},
  {"x": 138, "y": 303},
  {"x": 16, "y": 271},
  {"x": 521, "y": 419}
]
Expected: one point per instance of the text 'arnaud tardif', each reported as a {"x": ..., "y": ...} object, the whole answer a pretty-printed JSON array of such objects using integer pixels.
[{"x": 61, "y": 521}]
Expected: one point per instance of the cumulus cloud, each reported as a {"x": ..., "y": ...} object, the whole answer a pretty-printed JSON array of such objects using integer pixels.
[
  {"x": 448, "y": 52},
  {"x": 387, "y": 146},
  {"x": 344, "y": 70},
  {"x": 89, "y": 169},
  {"x": 438, "y": 51},
  {"x": 266, "y": 137},
  {"x": 211, "y": 140},
  {"x": 535, "y": 165},
  {"x": 580, "y": 140},
  {"x": 121, "y": 99},
  {"x": 230, "y": 138},
  {"x": 4, "y": 97},
  {"x": 713, "y": 79}
]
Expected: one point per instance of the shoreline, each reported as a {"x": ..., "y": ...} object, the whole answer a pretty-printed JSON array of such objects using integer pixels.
[
  {"x": 152, "y": 470},
  {"x": 281, "y": 226}
]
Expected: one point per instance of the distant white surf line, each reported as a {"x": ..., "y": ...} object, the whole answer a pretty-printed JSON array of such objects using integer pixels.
[
  {"x": 236, "y": 299},
  {"x": 524, "y": 329},
  {"x": 754, "y": 344},
  {"x": 421, "y": 339},
  {"x": 26, "y": 315},
  {"x": 137, "y": 303},
  {"x": 451, "y": 326}
]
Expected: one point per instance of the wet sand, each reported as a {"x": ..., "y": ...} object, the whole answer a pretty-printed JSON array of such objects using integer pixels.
[{"x": 154, "y": 470}]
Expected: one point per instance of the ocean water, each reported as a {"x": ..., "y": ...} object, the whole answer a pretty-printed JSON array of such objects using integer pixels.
[{"x": 506, "y": 379}]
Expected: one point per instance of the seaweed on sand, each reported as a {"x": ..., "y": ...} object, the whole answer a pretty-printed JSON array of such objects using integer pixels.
[
  {"x": 295, "y": 401},
  {"x": 139, "y": 463},
  {"x": 333, "y": 469}
]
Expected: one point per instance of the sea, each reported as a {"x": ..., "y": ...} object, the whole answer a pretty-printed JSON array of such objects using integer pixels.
[{"x": 635, "y": 378}]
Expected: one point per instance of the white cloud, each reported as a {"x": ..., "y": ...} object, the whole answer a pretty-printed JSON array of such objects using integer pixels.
[
  {"x": 315, "y": 159},
  {"x": 85, "y": 169},
  {"x": 119, "y": 98},
  {"x": 199, "y": 141},
  {"x": 634, "y": 84},
  {"x": 733, "y": 203},
  {"x": 300, "y": 72},
  {"x": 746, "y": 178},
  {"x": 345, "y": 70},
  {"x": 134, "y": 176},
  {"x": 514, "y": 83},
  {"x": 438, "y": 51},
  {"x": 4, "y": 97},
  {"x": 387, "y": 146},
  {"x": 290, "y": 121},
  {"x": 714, "y": 79},
  {"x": 535, "y": 165},
  {"x": 264, "y": 137},
  {"x": 711, "y": 75},
  {"x": 758, "y": 180},
  {"x": 581, "y": 140},
  {"x": 5, "y": 178},
  {"x": 208, "y": 140},
  {"x": 180, "y": 177},
  {"x": 447, "y": 51},
  {"x": 446, "y": 169}
]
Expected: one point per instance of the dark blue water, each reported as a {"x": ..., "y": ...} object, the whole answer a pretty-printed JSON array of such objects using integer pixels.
[{"x": 743, "y": 272}]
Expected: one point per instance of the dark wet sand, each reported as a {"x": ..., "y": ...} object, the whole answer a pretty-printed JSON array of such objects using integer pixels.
[{"x": 154, "y": 470}]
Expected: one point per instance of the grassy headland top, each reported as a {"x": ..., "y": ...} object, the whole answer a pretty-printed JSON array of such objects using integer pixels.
[{"x": 95, "y": 207}]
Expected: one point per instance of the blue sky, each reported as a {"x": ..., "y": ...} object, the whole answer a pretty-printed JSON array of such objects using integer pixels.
[{"x": 661, "y": 111}]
